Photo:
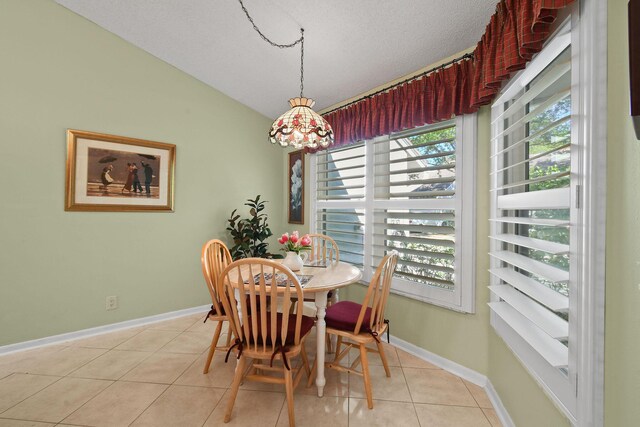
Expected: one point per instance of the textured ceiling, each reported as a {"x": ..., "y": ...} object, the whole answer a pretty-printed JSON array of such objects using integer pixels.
[{"x": 351, "y": 46}]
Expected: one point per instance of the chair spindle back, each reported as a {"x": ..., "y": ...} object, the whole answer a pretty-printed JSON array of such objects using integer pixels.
[
  {"x": 215, "y": 258},
  {"x": 323, "y": 248},
  {"x": 248, "y": 283},
  {"x": 377, "y": 295}
]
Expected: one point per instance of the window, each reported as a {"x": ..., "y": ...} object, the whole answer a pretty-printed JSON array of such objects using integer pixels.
[
  {"x": 535, "y": 256},
  {"x": 412, "y": 192}
]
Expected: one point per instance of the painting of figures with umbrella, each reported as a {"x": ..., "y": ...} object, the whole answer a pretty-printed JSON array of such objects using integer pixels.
[{"x": 115, "y": 173}]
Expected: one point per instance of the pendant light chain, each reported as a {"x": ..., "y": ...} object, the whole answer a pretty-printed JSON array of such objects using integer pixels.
[
  {"x": 281, "y": 46},
  {"x": 301, "y": 61}
]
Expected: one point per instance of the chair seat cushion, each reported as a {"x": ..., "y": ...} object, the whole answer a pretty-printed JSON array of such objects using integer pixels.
[
  {"x": 305, "y": 327},
  {"x": 343, "y": 315}
]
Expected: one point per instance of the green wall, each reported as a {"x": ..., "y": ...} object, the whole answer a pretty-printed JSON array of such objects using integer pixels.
[
  {"x": 622, "y": 339},
  {"x": 61, "y": 71}
]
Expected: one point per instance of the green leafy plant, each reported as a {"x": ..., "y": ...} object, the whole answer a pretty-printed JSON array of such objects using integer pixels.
[{"x": 249, "y": 234}]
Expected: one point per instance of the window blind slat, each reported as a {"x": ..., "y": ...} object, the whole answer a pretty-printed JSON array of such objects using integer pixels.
[
  {"x": 340, "y": 187},
  {"x": 538, "y": 268},
  {"x": 416, "y": 194},
  {"x": 531, "y": 243},
  {"x": 342, "y": 159},
  {"x": 423, "y": 241},
  {"x": 446, "y": 166},
  {"x": 543, "y": 178},
  {"x": 423, "y": 181},
  {"x": 414, "y": 146},
  {"x": 546, "y": 320},
  {"x": 411, "y": 159},
  {"x": 427, "y": 254},
  {"x": 438, "y": 282},
  {"x": 536, "y": 290},
  {"x": 341, "y": 197},
  {"x": 532, "y": 221},
  {"x": 426, "y": 266},
  {"x": 558, "y": 198},
  {"x": 380, "y": 228},
  {"x": 533, "y": 136},
  {"x": 536, "y": 157},
  {"x": 556, "y": 354},
  {"x": 518, "y": 124},
  {"x": 429, "y": 216},
  {"x": 552, "y": 75},
  {"x": 324, "y": 171},
  {"x": 340, "y": 178}
]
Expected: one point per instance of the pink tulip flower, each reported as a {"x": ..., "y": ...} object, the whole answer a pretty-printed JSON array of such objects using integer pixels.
[
  {"x": 294, "y": 238},
  {"x": 305, "y": 241},
  {"x": 284, "y": 238}
]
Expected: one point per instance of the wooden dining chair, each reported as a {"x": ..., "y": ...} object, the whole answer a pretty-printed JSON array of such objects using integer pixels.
[
  {"x": 362, "y": 324},
  {"x": 256, "y": 288},
  {"x": 323, "y": 249},
  {"x": 215, "y": 258}
]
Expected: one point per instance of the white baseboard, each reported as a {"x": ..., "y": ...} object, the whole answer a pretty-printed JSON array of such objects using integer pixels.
[
  {"x": 501, "y": 411},
  {"x": 461, "y": 371},
  {"x": 99, "y": 330}
]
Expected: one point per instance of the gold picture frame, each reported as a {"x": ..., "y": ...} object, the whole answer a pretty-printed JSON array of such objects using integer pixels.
[
  {"x": 103, "y": 173},
  {"x": 295, "y": 178}
]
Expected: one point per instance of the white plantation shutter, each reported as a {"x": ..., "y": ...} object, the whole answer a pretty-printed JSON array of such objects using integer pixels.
[
  {"x": 532, "y": 224},
  {"x": 340, "y": 192},
  {"x": 341, "y": 173},
  {"x": 346, "y": 227},
  {"x": 416, "y": 174},
  {"x": 405, "y": 192}
]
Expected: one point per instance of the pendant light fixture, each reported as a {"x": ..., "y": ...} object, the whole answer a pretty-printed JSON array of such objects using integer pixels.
[{"x": 300, "y": 127}]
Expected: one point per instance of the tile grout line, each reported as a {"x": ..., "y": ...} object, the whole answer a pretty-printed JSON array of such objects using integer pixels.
[
  {"x": 415, "y": 410},
  {"x": 93, "y": 397},
  {"x": 171, "y": 384},
  {"x": 31, "y": 395},
  {"x": 119, "y": 379}
]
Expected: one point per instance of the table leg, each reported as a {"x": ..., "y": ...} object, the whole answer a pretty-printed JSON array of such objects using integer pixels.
[{"x": 321, "y": 326}]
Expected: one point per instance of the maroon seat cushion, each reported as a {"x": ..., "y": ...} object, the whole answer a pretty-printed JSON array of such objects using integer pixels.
[
  {"x": 344, "y": 316},
  {"x": 305, "y": 327}
]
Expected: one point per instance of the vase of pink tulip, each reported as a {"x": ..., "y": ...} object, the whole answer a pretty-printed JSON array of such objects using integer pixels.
[{"x": 294, "y": 245}]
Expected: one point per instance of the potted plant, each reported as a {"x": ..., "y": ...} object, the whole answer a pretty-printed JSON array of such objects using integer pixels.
[{"x": 249, "y": 234}]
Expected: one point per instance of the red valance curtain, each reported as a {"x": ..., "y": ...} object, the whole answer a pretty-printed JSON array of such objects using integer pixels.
[{"x": 516, "y": 32}]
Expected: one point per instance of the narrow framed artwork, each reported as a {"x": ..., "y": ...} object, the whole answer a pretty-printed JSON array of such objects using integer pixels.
[
  {"x": 296, "y": 187},
  {"x": 118, "y": 174}
]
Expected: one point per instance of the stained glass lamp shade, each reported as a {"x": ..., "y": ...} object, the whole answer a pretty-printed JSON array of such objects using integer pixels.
[{"x": 301, "y": 127}]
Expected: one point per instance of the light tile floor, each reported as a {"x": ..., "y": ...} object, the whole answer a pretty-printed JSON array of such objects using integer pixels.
[{"x": 152, "y": 376}]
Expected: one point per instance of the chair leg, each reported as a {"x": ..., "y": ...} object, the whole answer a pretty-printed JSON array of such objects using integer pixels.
[
  {"x": 338, "y": 345},
  {"x": 328, "y": 339},
  {"x": 234, "y": 388},
  {"x": 288, "y": 382},
  {"x": 312, "y": 377},
  {"x": 212, "y": 349},
  {"x": 383, "y": 356},
  {"x": 305, "y": 360},
  {"x": 365, "y": 375},
  {"x": 229, "y": 335}
]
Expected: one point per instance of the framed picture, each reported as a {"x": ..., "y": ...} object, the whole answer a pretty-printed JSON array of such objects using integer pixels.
[
  {"x": 118, "y": 174},
  {"x": 296, "y": 187}
]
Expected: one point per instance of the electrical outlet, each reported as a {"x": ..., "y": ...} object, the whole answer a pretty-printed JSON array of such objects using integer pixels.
[{"x": 112, "y": 303}]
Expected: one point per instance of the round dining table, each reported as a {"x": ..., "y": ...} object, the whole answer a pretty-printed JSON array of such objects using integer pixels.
[{"x": 322, "y": 281}]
